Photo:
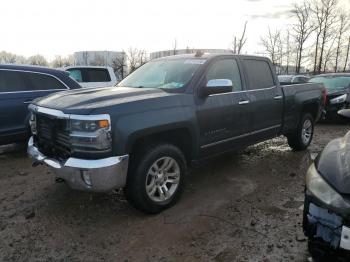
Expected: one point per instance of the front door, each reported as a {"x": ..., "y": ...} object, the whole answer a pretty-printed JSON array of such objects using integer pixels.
[{"x": 223, "y": 118}]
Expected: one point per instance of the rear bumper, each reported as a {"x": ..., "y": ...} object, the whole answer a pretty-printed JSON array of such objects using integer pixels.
[{"x": 100, "y": 175}]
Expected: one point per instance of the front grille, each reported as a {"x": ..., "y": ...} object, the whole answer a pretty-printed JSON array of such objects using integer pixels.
[{"x": 52, "y": 137}]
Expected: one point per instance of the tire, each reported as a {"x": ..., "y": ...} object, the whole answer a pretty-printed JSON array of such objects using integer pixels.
[
  {"x": 154, "y": 168},
  {"x": 297, "y": 141}
]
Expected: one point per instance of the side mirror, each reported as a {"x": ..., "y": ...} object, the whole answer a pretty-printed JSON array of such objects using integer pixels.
[
  {"x": 345, "y": 114},
  {"x": 217, "y": 86}
]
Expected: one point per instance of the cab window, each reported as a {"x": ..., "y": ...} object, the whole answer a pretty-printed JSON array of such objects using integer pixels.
[{"x": 226, "y": 69}]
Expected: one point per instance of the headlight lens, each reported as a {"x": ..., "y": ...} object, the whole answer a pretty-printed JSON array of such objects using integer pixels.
[
  {"x": 90, "y": 135},
  {"x": 338, "y": 99},
  {"x": 88, "y": 125},
  {"x": 323, "y": 191}
]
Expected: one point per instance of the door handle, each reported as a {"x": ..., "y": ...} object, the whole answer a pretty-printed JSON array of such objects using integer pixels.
[
  {"x": 243, "y": 102},
  {"x": 277, "y": 97},
  {"x": 27, "y": 101}
]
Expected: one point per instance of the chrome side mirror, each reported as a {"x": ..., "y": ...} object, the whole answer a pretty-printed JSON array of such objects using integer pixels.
[{"x": 217, "y": 86}]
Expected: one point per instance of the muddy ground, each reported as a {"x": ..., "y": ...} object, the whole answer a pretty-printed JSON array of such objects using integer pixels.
[{"x": 244, "y": 206}]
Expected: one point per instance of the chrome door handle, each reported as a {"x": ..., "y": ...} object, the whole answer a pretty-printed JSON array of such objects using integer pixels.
[
  {"x": 243, "y": 102},
  {"x": 27, "y": 102},
  {"x": 278, "y": 97}
]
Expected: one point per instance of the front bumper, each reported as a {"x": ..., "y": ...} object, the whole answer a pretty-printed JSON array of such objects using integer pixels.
[
  {"x": 100, "y": 175},
  {"x": 324, "y": 226}
]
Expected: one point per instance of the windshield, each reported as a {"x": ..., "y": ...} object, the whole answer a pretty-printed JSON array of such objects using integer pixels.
[
  {"x": 163, "y": 74},
  {"x": 332, "y": 83}
]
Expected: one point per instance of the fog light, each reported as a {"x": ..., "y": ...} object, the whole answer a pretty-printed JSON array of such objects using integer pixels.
[{"x": 86, "y": 177}]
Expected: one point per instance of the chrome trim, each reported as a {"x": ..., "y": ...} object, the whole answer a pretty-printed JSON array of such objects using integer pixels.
[
  {"x": 219, "y": 82},
  {"x": 278, "y": 97},
  {"x": 104, "y": 174},
  {"x": 240, "y": 136},
  {"x": 61, "y": 115},
  {"x": 244, "y": 102},
  {"x": 244, "y": 91},
  {"x": 31, "y": 91}
]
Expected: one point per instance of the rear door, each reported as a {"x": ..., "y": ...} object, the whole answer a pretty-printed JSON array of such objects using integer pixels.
[
  {"x": 17, "y": 90},
  {"x": 223, "y": 118},
  {"x": 266, "y": 98}
]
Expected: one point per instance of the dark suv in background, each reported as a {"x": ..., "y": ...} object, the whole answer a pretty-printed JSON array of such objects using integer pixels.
[{"x": 19, "y": 86}]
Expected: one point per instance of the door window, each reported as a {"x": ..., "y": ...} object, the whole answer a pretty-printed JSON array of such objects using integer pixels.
[
  {"x": 259, "y": 74},
  {"x": 226, "y": 69},
  {"x": 12, "y": 81},
  {"x": 39, "y": 81}
]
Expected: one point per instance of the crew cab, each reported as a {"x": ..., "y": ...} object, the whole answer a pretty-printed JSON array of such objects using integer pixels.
[
  {"x": 92, "y": 76},
  {"x": 19, "y": 85},
  {"x": 143, "y": 134}
]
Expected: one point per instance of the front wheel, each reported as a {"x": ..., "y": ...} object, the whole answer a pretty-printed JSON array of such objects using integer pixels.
[
  {"x": 156, "y": 178},
  {"x": 302, "y": 136}
]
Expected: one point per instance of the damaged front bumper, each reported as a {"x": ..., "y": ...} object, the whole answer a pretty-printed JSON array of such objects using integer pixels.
[
  {"x": 100, "y": 175},
  {"x": 321, "y": 224}
]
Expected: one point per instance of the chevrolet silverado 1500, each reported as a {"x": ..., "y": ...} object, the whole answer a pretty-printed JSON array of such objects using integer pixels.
[{"x": 142, "y": 134}]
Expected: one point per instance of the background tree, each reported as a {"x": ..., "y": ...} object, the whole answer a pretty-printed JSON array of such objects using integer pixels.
[
  {"x": 347, "y": 55},
  {"x": 328, "y": 11},
  {"x": 270, "y": 42},
  {"x": 342, "y": 28},
  {"x": 38, "y": 60},
  {"x": 119, "y": 65},
  {"x": 302, "y": 30},
  {"x": 135, "y": 58},
  {"x": 238, "y": 43}
]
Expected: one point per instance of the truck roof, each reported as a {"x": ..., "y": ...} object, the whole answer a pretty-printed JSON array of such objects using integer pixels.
[{"x": 208, "y": 56}]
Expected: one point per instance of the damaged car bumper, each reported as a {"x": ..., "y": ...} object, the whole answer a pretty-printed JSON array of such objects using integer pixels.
[
  {"x": 326, "y": 214},
  {"x": 101, "y": 175}
]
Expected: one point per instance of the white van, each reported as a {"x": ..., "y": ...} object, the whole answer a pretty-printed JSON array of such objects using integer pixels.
[{"x": 92, "y": 76}]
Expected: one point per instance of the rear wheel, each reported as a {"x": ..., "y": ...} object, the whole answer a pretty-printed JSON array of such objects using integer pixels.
[
  {"x": 156, "y": 178},
  {"x": 302, "y": 136}
]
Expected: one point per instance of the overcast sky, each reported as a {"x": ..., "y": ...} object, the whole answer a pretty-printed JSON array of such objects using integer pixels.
[{"x": 63, "y": 27}]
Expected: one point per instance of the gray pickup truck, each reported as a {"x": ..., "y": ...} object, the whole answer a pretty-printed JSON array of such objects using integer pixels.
[{"x": 142, "y": 134}]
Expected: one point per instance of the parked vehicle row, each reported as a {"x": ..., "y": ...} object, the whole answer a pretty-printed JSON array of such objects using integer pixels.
[
  {"x": 92, "y": 76},
  {"x": 142, "y": 134},
  {"x": 19, "y": 86},
  {"x": 338, "y": 92}
]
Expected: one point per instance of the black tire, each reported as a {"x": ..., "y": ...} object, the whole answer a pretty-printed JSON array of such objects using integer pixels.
[
  {"x": 135, "y": 190},
  {"x": 295, "y": 140}
]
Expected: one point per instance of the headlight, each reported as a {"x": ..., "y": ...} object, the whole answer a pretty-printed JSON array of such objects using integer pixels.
[
  {"x": 324, "y": 192},
  {"x": 90, "y": 133},
  {"x": 88, "y": 125},
  {"x": 338, "y": 99}
]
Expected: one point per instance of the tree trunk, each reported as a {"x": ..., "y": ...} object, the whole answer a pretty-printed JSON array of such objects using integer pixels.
[{"x": 347, "y": 56}]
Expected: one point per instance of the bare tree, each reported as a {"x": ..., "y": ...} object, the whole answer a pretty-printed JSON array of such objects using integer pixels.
[
  {"x": 119, "y": 65},
  {"x": 328, "y": 10},
  {"x": 37, "y": 60},
  {"x": 347, "y": 55},
  {"x": 342, "y": 28},
  {"x": 7, "y": 58},
  {"x": 238, "y": 44},
  {"x": 302, "y": 29},
  {"x": 61, "y": 61},
  {"x": 135, "y": 58},
  {"x": 270, "y": 43}
]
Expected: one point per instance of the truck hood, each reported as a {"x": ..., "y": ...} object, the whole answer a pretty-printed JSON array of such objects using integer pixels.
[
  {"x": 333, "y": 164},
  {"x": 89, "y": 99}
]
